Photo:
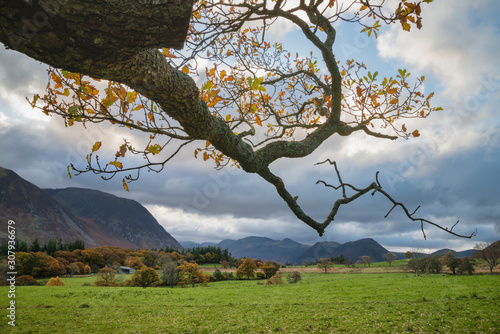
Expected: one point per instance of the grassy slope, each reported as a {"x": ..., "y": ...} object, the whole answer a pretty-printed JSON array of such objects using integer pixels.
[{"x": 367, "y": 303}]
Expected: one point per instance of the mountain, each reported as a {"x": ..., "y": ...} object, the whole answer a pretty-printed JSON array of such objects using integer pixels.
[
  {"x": 281, "y": 251},
  {"x": 323, "y": 249},
  {"x": 350, "y": 250},
  {"x": 124, "y": 217},
  {"x": 38, "y": 215},
  {"x": 461, "y": 254}
]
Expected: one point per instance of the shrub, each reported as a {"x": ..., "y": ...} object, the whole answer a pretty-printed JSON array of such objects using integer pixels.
[
  {"x": 260, "y": 275},
  {"x": 218, "y": 275},
  {"x": 55, "y": 281},
  {"x": 276, "y": 279},
  {"x": 294, "y": 277},
  {"x": 26, "y": 280}
]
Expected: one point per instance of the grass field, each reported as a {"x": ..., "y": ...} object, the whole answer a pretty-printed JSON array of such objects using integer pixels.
[{"x": 329, "y": 303}]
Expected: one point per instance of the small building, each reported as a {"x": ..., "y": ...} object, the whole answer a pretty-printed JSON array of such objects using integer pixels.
[{"x": 126, "y": 270}]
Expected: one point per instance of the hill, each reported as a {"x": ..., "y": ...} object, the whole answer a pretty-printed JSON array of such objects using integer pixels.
[
  {"x": 324, "y": 249},
  {"x": 350, "y": 250},
  {"x": 96, "y": 218},
  {"x": 461, "y": 254},
  {"x": 281, "y": 251}
]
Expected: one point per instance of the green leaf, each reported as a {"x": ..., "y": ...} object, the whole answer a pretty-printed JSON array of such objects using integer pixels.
[{"x": 73, "y": 110}]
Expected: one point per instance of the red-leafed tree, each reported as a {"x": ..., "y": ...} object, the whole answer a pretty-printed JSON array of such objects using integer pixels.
[{"x": 260, "y": 102}]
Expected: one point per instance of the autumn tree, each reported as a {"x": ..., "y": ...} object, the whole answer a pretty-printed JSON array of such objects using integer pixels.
[
  {"x": 390, "y": 257},
  {"x": 190, "y": 273},
  {"x": 246, "y": 269},
  {"x": 324, "y": 264},
  {"x": 260, "y": 102},
  {"x": 107, "y": 277},
  {"x": 145, "y": 277},
  {"x": 489, "y": 253},
  {"x": 270, "y": 268}
]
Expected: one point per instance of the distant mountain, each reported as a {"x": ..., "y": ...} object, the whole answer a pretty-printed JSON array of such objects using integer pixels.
[
  {"x": 190, "y": 244},
  {"x": 461, "y": 254},
  {"x": 124, "y": 217},
  {"x": 281, "y": 251},
  {"x": 350, "y": 250},
  {"x": 40, "y": 216},
  {"x": 323, "y": 249}
]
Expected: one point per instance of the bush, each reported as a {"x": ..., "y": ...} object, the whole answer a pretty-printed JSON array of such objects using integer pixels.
[
  {"x": 260, "y": 275},
  {"x": 294, "y": 277},
  {"x": 26, "y": 280},
  {"x": 55, "y": 281},
  {"x": 276, "y": 279}
]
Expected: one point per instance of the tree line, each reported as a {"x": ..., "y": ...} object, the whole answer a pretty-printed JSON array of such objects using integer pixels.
[{"x": 49, "y": 247}]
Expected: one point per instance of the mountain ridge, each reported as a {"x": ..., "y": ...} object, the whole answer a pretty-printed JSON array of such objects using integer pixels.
[{"x": 38, "y": 215}]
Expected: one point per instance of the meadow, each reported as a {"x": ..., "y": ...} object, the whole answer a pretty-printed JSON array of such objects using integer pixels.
[{"x": 327, "y": 303}]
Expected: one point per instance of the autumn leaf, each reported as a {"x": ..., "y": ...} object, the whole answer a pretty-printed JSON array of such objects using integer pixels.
[
  {"x": 121, "y": 152},
  {"x": 205, "y": 156},
  {"x": 394, "y": 101},
  {"x": 359, "y": 91},
  {"x": 117, "y": 164},
  {"x": 125, "y": 186},
  {"x": 406, "y": 26},
  {"x": 155, "y": 149},
  {"x": 257, "y": 119},
  {"x": 404, "y": 128},
  {"x": 185, "y": 70},
  {"x": 415, "y": 133},
  {"x": 96, "y": 146}
]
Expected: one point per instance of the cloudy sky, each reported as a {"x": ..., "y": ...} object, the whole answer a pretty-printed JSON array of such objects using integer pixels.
[{"x": 451, "y": 170}]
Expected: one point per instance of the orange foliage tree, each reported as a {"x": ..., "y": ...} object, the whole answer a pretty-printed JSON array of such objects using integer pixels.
[{"x": 259, "y": 103}]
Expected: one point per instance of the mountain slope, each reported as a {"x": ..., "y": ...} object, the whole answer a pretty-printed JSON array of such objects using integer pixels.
[
  {"x": 124, "y": 217},
  {"x": 40, "y": 216},
  {"x": 37, "y": 215}
]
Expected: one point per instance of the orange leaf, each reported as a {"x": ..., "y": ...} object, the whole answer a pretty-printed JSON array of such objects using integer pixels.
[
  {"x": 96, "y": 146},
  {"x": 125, "y": 186},
  {"x": 205, "y": 156},
  {"x": 394, "y": 101},
  {"x": 359, "y": 91},
  {"x": 185, "y": 69},
  {"x": 404, "y": 128},
  {"x": 257, "y": 119},
  {"x": 415, "y": 133}
]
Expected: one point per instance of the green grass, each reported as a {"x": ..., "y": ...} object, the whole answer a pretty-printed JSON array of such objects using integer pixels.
[{"x": 331, "y": 303}]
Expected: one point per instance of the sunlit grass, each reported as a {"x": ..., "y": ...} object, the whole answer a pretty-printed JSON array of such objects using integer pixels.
[{"x": 345, "y": 303}]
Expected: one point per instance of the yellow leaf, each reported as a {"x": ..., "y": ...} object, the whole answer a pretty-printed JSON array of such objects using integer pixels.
[
  {"x": 185, "y": 69},
  {"x": 117, "y": 164},
  {"x": 228, "y": 118},
  {"x": 207, "y": 144},
  {"x": 394, "y": 101},
  {"x": 96, "y": 146},
  {"x": 125, "y": 186},
  {"x": 406, "y": 26}
]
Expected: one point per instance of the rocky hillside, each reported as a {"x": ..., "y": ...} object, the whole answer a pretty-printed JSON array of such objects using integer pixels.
[{"x": 94, "y": 217}]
